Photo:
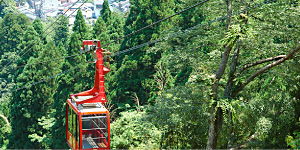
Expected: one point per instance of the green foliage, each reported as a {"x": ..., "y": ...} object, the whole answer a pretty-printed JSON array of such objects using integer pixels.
[
  {"x": 294, "y": 143},
  {"x": 7, "y": 6},
  {"x": 38, "y": 27},
  {"x": 79, "y": 25},
  {"x": 105, "y": 12},
  {"x": 180, "y": 114},
  {"x": 133, "y": 131},
  {"x": 62, "y": 31},
  {"x": 140, "y": 60},
  {"x": 173, "y": 78},
  {"x": 11, "y": 32},
  {"x": 34, "y": 102}
]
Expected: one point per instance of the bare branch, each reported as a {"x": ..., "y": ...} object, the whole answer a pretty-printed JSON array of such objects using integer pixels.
[
  {"x": 5, "y": 119},
  {"x": 136, "y": 99},
  {"x": 262, "y": 70},
  {"x": 260, "y": 62}
]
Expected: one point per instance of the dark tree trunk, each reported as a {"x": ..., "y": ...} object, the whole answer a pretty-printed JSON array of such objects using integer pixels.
[{"x": 216, "y": 113}]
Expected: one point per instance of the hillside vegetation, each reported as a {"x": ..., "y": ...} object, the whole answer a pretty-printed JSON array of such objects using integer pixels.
[{"x": 224, "y": 74}]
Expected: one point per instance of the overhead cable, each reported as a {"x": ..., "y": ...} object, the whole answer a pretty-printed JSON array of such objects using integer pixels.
[
  {"x": 39, "y": 39},
  {"x": 145, "y": 44}
]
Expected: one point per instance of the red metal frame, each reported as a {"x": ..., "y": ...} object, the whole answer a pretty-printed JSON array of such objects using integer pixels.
[{"x": 98, "y": 91}]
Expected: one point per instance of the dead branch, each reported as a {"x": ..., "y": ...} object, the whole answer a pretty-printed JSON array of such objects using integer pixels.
[{"x": 136, "y": 99}]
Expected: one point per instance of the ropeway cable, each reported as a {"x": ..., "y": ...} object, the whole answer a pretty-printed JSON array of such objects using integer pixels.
[
  {"x": 39, "y": 39},
  {"x": 145, "y": 44}
]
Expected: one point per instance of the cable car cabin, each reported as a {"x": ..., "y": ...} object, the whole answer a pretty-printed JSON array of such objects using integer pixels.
[
  {"x": 87, "y": 120},
  {"x": 88, "y": 126}
]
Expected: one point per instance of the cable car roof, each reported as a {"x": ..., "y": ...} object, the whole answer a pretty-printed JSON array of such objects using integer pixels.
[{"x": 88, "y": 108}]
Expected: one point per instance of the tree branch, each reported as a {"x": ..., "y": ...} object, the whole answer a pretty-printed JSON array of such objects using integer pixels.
[
  {"x": 263, "y": 20},
  {"x": 242, "y": 145},
  {"x": 262, "y": 70},
  {"x": 5, "y": 119},
  {"x": 260, "y": 62},
  {"x": 229, "y": 84}
]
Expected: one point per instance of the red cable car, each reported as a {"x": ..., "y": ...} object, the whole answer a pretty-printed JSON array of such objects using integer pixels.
[{"x": 87, "y": 120}]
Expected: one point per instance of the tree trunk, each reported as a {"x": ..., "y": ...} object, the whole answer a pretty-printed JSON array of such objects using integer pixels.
[{"x": 216, "y": 113}]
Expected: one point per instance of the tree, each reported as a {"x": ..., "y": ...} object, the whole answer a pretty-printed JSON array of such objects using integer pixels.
[
  {"x": 30, "y": 105},
  {"x": 99, "y": 27},
  {"x": 29, "y": 45},
  {"x": 7, "y": 6},
  {"x": 75, "y": 81},
  {"x": 137, "y": 67},
  {"x": 146, "y": 134},
  {"x": 105, "y": 12},
  {"x": 38, "y": 27},
  {"x": 62, "y": 31},
  {"x": 11, "y": 32},
  {"x": 79, "y": 25}
]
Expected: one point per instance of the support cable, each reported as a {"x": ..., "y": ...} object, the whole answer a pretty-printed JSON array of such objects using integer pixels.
[
  {"x": 142, "y": 45},
  {"x": 166, "y": 37},
  {"x": 200, "y": 3}
]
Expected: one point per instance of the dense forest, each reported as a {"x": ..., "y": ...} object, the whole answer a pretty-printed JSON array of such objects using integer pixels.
[{"x": 221, "y": 75}]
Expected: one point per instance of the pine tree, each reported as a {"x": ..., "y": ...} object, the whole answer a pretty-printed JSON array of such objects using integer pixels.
[
  {"x": 105, "y": 12},
  {"x": 11, "y": 32},
  {"x": 79, "y": 25},
  {"x": 59, "y": 105},
  {"x": 99, "y": 27},
  {"x": 33, "y": 103},
  {"x": 191, "y": 17},
  {"x": 7, "y": 6},
  {"x": 62, "y": 31},
  {"x": 29, "y": 39},
  {"x": 38, "y": 27},
  {"x": 136, "y": 68}
]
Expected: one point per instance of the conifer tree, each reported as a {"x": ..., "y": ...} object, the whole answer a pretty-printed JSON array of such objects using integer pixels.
[
  {"x": 62, "y": 31},
  {"x": 7, "y": 6},
  {"x": 38, "y": 27},
  {"x": 80, "y": 25},
  {"x": 59, "y": 105},
  {"x": 33, "y": 103},
  {"x": 30, "y": 37},
  {"x": 99, "y": 27},
  {"x": 105, "y": 11},
  {"x": 191, "y": 17},
  {"x": 136, "y": 68},
  {"x": 11, "y": 32}
]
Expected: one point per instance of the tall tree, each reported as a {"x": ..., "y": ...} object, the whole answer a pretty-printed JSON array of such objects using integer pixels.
[
  {"x": 11, "y": 32},
  {"x": 137, "y": 67},
  {"x": 105, "y": 12},
  {"x": 62, "y": 31},
  {"x": 75, "y": 81},
  {"x": 80, "y": 25},
  {"x": 38, "y": 27},
  {"x": 99, "y": 27},
  {"x": 7, "y": 6},
  {"x": 30, "y": 105}
]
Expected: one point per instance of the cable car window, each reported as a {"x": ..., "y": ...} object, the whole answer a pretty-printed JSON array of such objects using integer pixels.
[{"x": 94, "y": 131}]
